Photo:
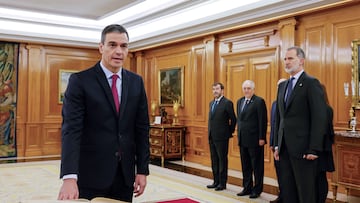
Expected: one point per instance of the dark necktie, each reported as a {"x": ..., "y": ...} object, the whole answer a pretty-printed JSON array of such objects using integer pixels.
[
  {"x": 289, "y": 89},
  {"x": 245, "y": 105},
  {"x": 115, "y": 91},
  {"x": 213, "y": 107}
]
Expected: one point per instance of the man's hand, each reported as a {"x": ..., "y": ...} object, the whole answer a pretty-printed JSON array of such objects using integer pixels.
[
  {"x": 139, "y": 185},
  {"x": 69, "y": 190},
  {"x": 310, "y": 157},
  {"x": 261, "y": 142},
  {"x": 276, "y": 154}
]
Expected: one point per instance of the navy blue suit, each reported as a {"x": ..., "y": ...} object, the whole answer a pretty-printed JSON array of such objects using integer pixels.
[
  {"x": 272, "y": 134},
  {"x": 222, "y": 123},
  {"x": 96, "y": 139}
]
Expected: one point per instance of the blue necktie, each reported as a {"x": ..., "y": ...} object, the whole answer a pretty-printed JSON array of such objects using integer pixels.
[
  {"x": 245, "y": 105},
  {"x": 289, "y": 89},
  {"x": 214, "y": 106}
]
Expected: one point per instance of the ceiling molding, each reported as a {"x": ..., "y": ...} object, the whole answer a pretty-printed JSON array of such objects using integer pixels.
[{"x": 269, "y": 10}]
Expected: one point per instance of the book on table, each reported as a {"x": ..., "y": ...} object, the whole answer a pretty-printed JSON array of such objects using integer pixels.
[{"x": 95, "y": 200}]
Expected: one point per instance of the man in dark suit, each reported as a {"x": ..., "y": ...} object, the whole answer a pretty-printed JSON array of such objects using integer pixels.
[
  {"x": 105, "y": 129},
  {"x": 272, "y": 147},
  {"x": 326, "y": 159},
  {"x": 252, "y": 125},
  {"x": 300, "y": 127},
  {"x": 221, "y": 125}
]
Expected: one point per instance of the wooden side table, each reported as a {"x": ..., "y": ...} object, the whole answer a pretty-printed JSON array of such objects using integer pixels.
[
  {"x": 167, "y": 141},
  {"x": 347, "y": 161}
]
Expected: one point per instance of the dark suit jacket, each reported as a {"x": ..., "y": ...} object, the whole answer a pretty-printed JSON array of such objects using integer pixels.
[
  {"x": 303, "y": 122},
  {"x": 93, "y": 132},
  {"x": 272, "y": 122},
  {"x": 326, "y": 159},
  {"x": 219, "y": 126},
  {"x": 252, "y": 122}
]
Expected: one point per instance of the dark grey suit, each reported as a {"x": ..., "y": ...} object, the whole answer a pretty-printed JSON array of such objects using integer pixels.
[
  {"x": 252, "y": 125},
  {"x": 221, "y": 126},
  {"x": 300, "y": 129}
]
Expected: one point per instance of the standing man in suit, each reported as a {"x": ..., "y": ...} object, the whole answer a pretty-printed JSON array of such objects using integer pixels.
[
  {"x": 272, "y": 125},
  {"x": 222, "y": 121},
  {"x": 300, "y": 128},
  {"x": 326, "y": 159},
  {"x": 252, "y": 125},
  {"x": 105, "y": 129}
]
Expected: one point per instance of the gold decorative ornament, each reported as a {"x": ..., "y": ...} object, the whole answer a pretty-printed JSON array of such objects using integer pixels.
[{"x": 176, "y": 105}]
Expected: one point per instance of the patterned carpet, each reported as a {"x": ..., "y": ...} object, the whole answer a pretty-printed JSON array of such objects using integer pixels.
[{"x": 40, "y": 180}]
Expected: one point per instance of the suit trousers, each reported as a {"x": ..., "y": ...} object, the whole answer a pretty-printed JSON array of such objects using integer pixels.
[
  {"x": 118, "y": 189},
  {"x": 278, "y": 174},
  {"x": 219, "y": 160},
  {"x": 298, "y": 178},
  {"x": 252, "y": 161},
  {"x": 323, "y": 187}
]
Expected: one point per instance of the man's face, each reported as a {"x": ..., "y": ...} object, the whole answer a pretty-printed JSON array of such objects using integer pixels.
[
  {"x": 248, "y": 90},
  {"x": 217, "y": 91},
  {"x": 293, "y": 64},
  {"x": 114, "y": 50}
]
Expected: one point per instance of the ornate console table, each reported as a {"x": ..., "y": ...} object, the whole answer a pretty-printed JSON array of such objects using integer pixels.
[
  {"x": 167, "y": 141},
  {"x": 347, "y": 161}
]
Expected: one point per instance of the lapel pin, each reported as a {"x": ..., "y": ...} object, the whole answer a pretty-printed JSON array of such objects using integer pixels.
[{"x": 300, "y": 84}]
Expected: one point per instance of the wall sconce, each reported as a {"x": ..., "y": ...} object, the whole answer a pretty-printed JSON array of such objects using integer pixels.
[
  {"x": 346, "y": 89},
  {"x": 352, "y": 121}
]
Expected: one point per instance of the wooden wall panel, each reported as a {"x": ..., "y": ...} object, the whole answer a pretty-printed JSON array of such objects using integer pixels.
[
  {"x": 39, "y": 112},
  {"x": 198, "y": 72},
  {"x": 56, "y": 60},
  {"x": 51, "y": 141},
  {"x": 256, "y": 65},
  {"x": 326, "y": 38},
  {"x": 238, "y": 71},
  {"x": 32, "y": 141},
  {"x": 315, "y": 52}
]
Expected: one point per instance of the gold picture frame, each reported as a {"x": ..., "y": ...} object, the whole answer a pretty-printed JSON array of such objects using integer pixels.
[
  {"x": 355, "y": 46},
  {"x": 171, "y": 86},
  {"x": 64, "y": 76}
]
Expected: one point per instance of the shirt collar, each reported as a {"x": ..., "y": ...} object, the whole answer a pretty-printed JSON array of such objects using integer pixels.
[
  {"x": 218, "y": 99},
  {"x": 297, "y": 75},
  {"x": 108, "y": 73}
]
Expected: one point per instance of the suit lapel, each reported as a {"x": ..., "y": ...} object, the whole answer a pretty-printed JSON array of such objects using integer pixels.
[
  {"x": 101, "y": 77},
  {"x": 124, "y": 91},
  {"x": 281, "y": 99},
  {"x": 296, "y": 87}
]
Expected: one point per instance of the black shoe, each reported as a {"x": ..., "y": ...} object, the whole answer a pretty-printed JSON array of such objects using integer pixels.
[
  {"x": 277, "y": 200},
  {"x": 220, "y": 187},
  {"x": 243, "y": 193},
  {"x": 214, "y": 185},
  {"x": 254, "y": 195}
]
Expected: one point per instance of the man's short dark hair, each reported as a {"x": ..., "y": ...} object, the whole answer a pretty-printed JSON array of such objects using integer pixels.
[
  {"x": 218, "y": 83},
  {"x": 113, "y": 28},
  {"x": 299, "y": 52}
]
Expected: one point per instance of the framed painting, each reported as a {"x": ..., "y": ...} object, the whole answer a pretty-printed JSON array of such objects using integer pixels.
[
  {"x": 171, "y": 86},
  {"x": 64, "y": 76}
]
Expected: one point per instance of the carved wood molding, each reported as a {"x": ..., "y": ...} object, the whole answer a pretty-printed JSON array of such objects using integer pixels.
[{"x": 265, "y": 34}]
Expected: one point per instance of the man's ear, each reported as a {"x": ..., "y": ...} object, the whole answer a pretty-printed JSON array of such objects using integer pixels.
[
  {"x": 302, "y": 61},
  {"x": 101, "y": 45}
]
